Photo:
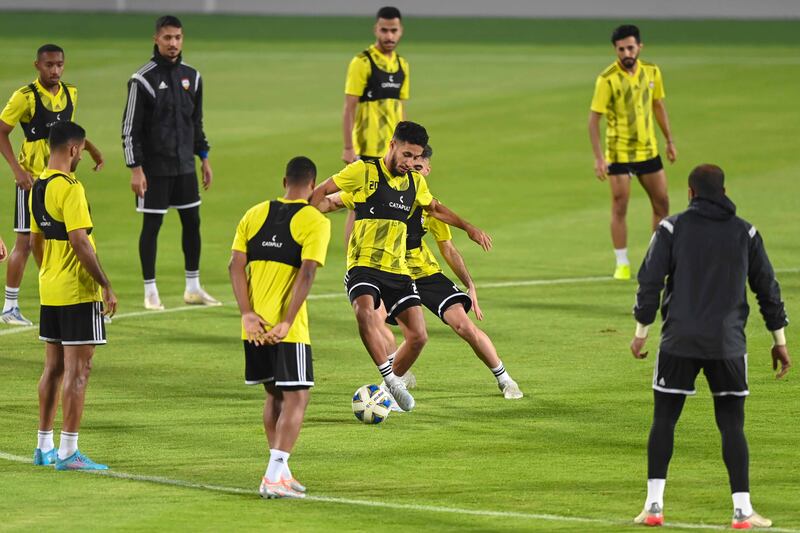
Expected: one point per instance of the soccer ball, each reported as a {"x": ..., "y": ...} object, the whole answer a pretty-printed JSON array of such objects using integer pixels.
[{"x": 371, "y": 404}]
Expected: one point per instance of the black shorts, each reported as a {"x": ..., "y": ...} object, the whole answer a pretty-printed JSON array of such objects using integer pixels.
[
  {"x": 163, "y": 192},
  {"x": 636, "y": 168},
  {"x": 398, "y": 292},
  {"x": 438, "y": 293},
  {"x": 676, "y": 375},
  {"x": 72, "y": 324},
  {"x": 22, "y": 215},
  {"x": 287, "y": 365}
]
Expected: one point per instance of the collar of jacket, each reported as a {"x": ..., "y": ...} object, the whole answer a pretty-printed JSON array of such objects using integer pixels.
[
  {"x": 163, "y": 61},
  {"x": 716, "y": 207}
]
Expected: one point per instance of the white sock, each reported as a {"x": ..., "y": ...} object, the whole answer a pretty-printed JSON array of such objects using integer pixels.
[
  {"x": 192, "y": 281},
  {"x": 12, "y": 294},
  {"x": 150, "y": 287},
  {"x": 655, "y": 492},
  {"x": 68, "y": 444},
  {"x": 277, "y": 461},
  {"x": 391, "y": 357},
  {"x": 500, "y": 373},
  {"x": 45, "y": 442},
  {"x": 385, "y": 369},
  {"x": 741, "y": 501},
  {"x": 622, "y": 256}
]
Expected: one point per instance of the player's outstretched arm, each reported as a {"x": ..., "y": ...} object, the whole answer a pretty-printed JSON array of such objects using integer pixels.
[
  {"x": 300, "y": 289},
  {"x": 322, "y": 190},
  {"x": 456, "y": 262},
  {"x": 24, "y": 179},
  {"x": 254, "y": 325},
  {"x": 348, "y": 118},
  {"x": 96, "y": 155},
  {"x": 600, "y": 165},
  {"x": 79, "y": 240},
  {"x": 662, "y": 118},
  {"x": 3, "y": 250},
  {"x": 332, "y": 202},
  {"x": 437, "y": 210}
]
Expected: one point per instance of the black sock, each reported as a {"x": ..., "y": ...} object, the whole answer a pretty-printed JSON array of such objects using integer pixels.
[
  {"x": 148, "y": 243},
  {"x": 666, "y": 412},
  {"x": 729, "y": 412},
  {"x": 190, "y": 237}
]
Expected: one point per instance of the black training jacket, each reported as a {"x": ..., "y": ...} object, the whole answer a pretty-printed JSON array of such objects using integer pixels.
[
  {"x": 162, "y": 128},
  {"x": 707, "y": 256}
]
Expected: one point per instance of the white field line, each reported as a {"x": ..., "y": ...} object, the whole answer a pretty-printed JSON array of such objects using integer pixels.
[
  {"x": 326, "y": 296},
  {"x": 386, "y": 505}
]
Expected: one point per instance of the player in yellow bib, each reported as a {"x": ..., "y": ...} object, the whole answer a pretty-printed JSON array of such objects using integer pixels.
[
  {"x": 630, "y": 94},
  {"x": 74, "y": 291},
  {"x": 385, "y": 193},
  {"x": 35, "y": 107},
  {"x": 278, "y": 247},
  {"x": 437, "y": 292}
]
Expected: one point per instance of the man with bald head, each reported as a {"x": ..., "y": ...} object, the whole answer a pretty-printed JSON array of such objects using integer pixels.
[{"x": 707, "y": 256}]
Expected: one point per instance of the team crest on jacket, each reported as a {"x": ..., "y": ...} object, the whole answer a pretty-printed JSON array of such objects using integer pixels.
[{"x": 185, "y": 83}]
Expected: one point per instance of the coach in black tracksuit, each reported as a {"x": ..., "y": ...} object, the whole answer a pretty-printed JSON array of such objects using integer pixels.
[
  {"x": 707, "y": 256},
  {"x": 162, "y": 132}
]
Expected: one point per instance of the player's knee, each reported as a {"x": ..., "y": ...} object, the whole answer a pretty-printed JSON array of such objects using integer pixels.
[
  {"x": 619, "y": 205},
  {"x": 417, "y": 339},
  {"x": 23, "y": 244}
]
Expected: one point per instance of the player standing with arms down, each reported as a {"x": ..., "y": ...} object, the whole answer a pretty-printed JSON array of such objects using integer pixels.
[
  {"x": 708, "y": 256},
  {"x": 385, "y": 192},
  {"x": 283, "y": 242},
  {"x": 75, "y": 294},
  {"x": 162, "y": 132},
  {"x": 437, "y": 292},
  {"x": 630, "y": 93},
  {"x": 35, "y": 107}
]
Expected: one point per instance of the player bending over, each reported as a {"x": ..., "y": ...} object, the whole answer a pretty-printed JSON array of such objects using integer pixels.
[{"x": 281, "y": 242}]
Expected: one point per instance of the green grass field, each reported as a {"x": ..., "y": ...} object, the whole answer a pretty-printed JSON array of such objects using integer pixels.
[{"x": 506, "y": 104}]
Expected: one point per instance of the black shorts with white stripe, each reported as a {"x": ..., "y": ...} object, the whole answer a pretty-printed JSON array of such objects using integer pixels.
[
  {"x": 287, "y": 365},
  {"x": 22, "y": 215},
  {"x": 676, "y": 375},
  {"x": 165, "y": 192},
  {"x": 397, "y": 291},
  {"x": 439, "y": 293},
  {"x": 72, "y": 324}
]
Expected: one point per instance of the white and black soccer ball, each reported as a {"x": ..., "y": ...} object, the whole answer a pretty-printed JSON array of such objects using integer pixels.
[{"x": 371, "y": 404}]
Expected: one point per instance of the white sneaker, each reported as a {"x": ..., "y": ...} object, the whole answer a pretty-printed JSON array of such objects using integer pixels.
[
  {"x": 401, "y": 394},
  {"x": 278, "y": 489},
  {"x": 394, "y": 407},
  {"x": 740, "y": 521},
  {"x": 200, "y": 297},
  {"x": 14, "y": 317},
  {"x": 153, "y": 302},
  {"x": 511, "y": 390}
]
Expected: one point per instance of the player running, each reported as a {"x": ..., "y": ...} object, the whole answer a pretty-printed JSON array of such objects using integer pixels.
[
  {"x": 281, "y": 243},
  {"x": 437, "y": 292},
  {"x": 385, "y": 193},
  {"x": 708, "y": 256},
  {"x": 630, "y": 93},
  {"x": 75, "y": 293},
  {"x": 35, "y": 107}
]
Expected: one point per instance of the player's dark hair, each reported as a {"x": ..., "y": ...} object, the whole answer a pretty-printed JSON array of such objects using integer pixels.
[
  {"x": 388, "y": 13},
  {"x": 707, "y": 180},
  {"x": 64, "y": 132},
  {"x": 300, "y": 170},
  {"x": 168, "y": 20},
  {"x": 427, "y": 152},
  {"x": 411, "y": 132},
  {"x": 48, "y": 48},
  {"x": 625, "y": 31}
]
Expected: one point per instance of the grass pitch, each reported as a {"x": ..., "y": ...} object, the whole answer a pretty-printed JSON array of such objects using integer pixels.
[{"x": 506, "y": 104}]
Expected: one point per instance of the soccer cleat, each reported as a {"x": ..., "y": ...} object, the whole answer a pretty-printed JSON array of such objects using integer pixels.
[
  {"x": 511, "y": 390},
  {"x": 78, "y": 461},
  {"x": 153, "y": 302},
  {"x": 295, "y": 485},
  {"x": 13, "y": 317},
  {"x": 200, "y": 297},
  {"x": 650, "y": 517},
  {"x": 409, "y": 379},
  {"x": 401, "y": 395},
  {"x": 393, "y": 407},
  {"x": 47, "y": 458},
  {"x": 107, "y": 319},
  {"x": 279, "y": 489},
  {"x": 622, "y": 272},
  {"x": 740, "y": 521}
]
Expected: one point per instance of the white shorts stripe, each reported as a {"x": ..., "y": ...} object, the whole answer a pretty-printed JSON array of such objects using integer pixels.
[
  {"x": 364, "y": 283},
  {"x": 401, "y": 300}
]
